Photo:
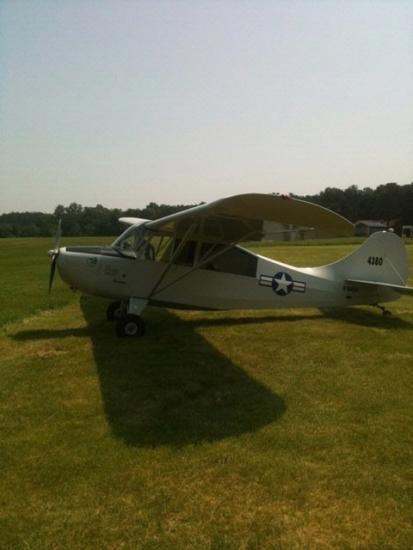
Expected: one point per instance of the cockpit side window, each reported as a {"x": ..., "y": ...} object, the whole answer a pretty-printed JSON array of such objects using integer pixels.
[
  {"x": 235, "y": 260},
  {"x": 163, "y": 248},
  {"x": 143, "y": 244},
  {"x": 186, "y": 255}
]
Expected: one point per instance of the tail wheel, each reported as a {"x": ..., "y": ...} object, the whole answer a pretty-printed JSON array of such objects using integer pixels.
[
  {"x": 130, "y": 326},
  {"x": 114, "y": 311}
]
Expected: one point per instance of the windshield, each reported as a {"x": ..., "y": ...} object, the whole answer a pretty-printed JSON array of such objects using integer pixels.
[
  {"x": 141, "y": 243},
  {"x": 129, "y": 242}
]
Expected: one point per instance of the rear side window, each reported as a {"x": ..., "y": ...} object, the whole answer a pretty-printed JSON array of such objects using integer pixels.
[
  {"x": 235, "y": 260},
  {"x": 187, "y": 254}
]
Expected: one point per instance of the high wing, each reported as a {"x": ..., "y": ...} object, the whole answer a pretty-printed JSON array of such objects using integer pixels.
[
  {"x": 251, "y": 217},
  {"x": 398, "y": 288}
]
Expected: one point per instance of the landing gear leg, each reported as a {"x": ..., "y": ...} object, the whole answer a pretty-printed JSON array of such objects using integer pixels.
[
  {"x": 383, "y": 309},
  {"x": 131, "y": 324}
]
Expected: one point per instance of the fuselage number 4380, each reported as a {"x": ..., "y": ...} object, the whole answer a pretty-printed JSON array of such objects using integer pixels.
[{"x": 375, "y": 260}]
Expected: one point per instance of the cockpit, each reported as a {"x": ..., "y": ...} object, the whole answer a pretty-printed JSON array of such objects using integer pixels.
[{"x": 144, "y": 244}]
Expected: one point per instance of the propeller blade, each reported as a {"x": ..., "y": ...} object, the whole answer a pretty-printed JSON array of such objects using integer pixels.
[
  {"x": 58, "y": 235},
  {"x": 54, "y": 253},
  {"x": 52, "y": 271}
]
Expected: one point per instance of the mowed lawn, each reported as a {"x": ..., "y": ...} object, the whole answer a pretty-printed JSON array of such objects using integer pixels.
[{"x": 271, "y": 429}]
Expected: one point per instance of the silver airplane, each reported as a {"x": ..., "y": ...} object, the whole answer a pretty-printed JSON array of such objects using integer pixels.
[{"x": 193, "y": 260}]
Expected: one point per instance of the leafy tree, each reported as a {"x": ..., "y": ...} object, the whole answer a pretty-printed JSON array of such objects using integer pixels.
[{"x": 6, "y": 230}]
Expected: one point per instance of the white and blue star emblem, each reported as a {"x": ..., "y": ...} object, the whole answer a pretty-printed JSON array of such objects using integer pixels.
[{"x": 282, "y": 283}]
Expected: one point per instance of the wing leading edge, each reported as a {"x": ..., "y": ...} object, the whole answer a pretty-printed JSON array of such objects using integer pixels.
[{"x": 252, "y": 217}]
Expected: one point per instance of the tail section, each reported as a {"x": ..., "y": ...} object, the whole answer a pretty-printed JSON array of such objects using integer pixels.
[{"x": 381, "y": 258}]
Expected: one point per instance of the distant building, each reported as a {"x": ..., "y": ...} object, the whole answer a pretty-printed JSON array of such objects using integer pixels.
[
  {"x": 407, "y": 230},
  {"x": 364, "y": 228}
]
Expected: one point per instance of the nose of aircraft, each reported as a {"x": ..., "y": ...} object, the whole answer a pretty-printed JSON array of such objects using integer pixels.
[
  {"x": 76, "y": 266},
  {"x": 80, "y": 267}
]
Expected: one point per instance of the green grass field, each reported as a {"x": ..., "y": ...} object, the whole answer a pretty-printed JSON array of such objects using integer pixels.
[{"x": 277, "y": 429}]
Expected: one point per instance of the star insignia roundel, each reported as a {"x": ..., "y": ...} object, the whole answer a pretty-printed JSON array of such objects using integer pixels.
[{"x": 282, "y": 283}]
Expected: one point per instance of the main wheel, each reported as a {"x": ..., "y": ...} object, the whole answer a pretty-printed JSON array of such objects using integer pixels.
[
  {"x": 130, "y": 326},
  {"x": 114, "y": 311}
]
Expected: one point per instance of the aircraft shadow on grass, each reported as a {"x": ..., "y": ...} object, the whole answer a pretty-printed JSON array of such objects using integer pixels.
[
  {"x": 368, "y": 317},
  {"x": 351, "y": 315},
  {"x": 172, "y": 387}
]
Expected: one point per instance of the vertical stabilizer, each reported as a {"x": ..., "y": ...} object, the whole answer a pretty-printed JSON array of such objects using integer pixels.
[{"x": 381, "y": 258}]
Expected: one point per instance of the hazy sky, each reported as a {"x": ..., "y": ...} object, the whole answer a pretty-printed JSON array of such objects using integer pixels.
[{"x": 123, "y": 103}]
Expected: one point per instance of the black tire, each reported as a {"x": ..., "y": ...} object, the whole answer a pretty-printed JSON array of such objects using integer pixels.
[
  {"x": 114, "y": 311},
  {"x": 130, "y": 326}
]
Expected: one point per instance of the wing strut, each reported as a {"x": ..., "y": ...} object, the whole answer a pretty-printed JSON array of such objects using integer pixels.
[
  {"x": 175, "y": 254},
  {"x": 205, "y": 260}
]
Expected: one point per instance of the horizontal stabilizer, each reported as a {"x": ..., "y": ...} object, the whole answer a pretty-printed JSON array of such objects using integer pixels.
[
  {"x": 398, "y": 288},
  {"x": 132, "y": 221}
]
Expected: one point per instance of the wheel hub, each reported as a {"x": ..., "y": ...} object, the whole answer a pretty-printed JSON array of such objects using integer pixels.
[{"x": 131, "y": 329}]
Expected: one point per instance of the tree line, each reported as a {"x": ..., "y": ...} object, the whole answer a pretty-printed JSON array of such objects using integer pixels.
[
  {"x": 390, "y": 203},
  {"x": 78, "y": 220}
]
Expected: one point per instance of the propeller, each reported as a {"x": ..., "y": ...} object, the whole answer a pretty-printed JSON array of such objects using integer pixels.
[{"x": 54, "y": 253}]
